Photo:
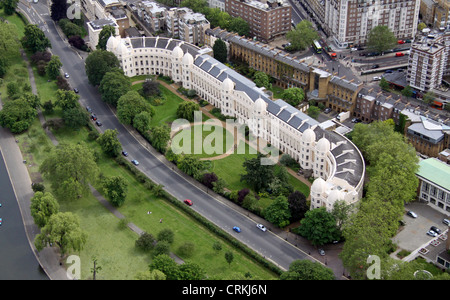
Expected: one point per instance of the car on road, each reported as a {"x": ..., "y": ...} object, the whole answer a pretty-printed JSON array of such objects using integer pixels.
[
  {"x": 124, "y": 153},
  {"x": 327, "y": 110},
  {"x": 373, "y": 54},
  {"x": 411, "y": 214},
  {"x": 399, "y": 54},
  {"x": 446, "y": 222},
  {"x": 435, "y": 229},
  {"x": 237, "y": 229},
  {"x": 376, "y": 78},
  {"x": 400, "y": 42},
  {"x": 88, "y": 109},
  {"x": 93, "y": 117},
  {"x": 388, "y": 71},
  {"x": 188, "y": 202},
  {"x": 262, "y": 227},
  {"x": 356, "y": 120},
  {"x": 98, "y": 123},
  {"x": 76, "y": 90},
  {"x": 432, "y": 233},
  {"x": 375, "y": 66},
  {"x": 66, "y": 75},
  {"x": 0, "y": 221},
  {"x": 135, "y": 162},
  {"x": 322, "y": 252}
]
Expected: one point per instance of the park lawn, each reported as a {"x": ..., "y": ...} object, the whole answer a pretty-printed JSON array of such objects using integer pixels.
[
  {"x": 16, "y": 20},
  {"x": 211, "y": 136},
  {"x": 138, "y": 202}
]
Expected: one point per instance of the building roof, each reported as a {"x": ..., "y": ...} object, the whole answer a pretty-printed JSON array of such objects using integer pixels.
[{"x": 435, "y": 171}]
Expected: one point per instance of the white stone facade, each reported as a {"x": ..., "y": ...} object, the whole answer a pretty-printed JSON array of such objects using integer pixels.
[{"x": 336, "y": 162}]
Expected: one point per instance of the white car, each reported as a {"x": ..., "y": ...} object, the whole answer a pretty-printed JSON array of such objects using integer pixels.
[
  {"x": 66, "y": 75},
  {"x": 432, "y": 233},
  {"x": 261, "y": 226},
  {"x": 376, "y": 78},
  {"x": 446, "y": 222}
]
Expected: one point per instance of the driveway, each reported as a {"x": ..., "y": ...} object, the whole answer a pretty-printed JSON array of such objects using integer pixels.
[{"x": 413, "y": 235}]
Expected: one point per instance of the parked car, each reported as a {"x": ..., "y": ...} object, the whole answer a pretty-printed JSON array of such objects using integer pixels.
[
  {"x": 327, "y": 110},
  {"x": 446, "y": 222},
  {"x": 411, "y": 214},
  {"x": 261, "y": 226},
  {"x": 88, "y": 109},
  {"x": 435, "y": 229},
  {"x": 135, "y": 162},
  {"x": 356, "y": 120},
  {"x": 376, "y": 78},
  {"x": 76, "y": 90},
  {"x": 98, "y": 123},
  {"x": 237, "y": 229},
  {"x": 322, "y": 252},
  {"x": 432, "y": 233},
  {"x": 388, "y": 71},
  {"x": 124, "y": 153},
  {"x": 399, "y": 54},
  {"x": 400, "y": 42},
  {"x": 66, "y": 75},
  {"x": 188, "y": 202},
  {"x": 93, "y": 117}
]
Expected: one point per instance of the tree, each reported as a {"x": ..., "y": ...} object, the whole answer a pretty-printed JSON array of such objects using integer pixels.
[
  {"x": 150, "y": 88},
  {"x": 98, "y": 63},
  {"x": 53, "y": 68},
  {"x": 313, "y": 111},
  {"x": 429, "y": 97},
  {"x": 66, "y": 99},
  {"x": 190, "y": 164},
  {"x": 187, "y": 109},
  {"x": 319, "y": 227},
  {"x": 75, "y": 117},
  {"x": 9, "y": 6},
  {"x": 407, "y": 91},
  {"x": 63, "y": 229},
  {"x": 146, "y": 241},
  {"x": 166, "y": 235},
  {"x": 278, "y": 212},
  {"x": 106, "y": 32},
  {"x": 307, "y": 270},
  {"x": 208, "y": 179},
  {"x": 131, "y": 104},
  {"x": 34, "y": 39},
  {"x": 261, "y": 79},
  {"x": 115, "y": 188},
  {"x": 17, "y": 115},
  {"x": 109, "y": 142},
  {"x": 42, "y": 207},
  {"x": 165, "y": 264},
  {"x": 69, "y": 28},
  {"x": 150, "y": 275},
  {"x": 78, "y": 42},
  {"x": 240, "y": 26},
  {"x": 58, "y": 10},
  {"x": 70, "y": 169},
  {"x": 384, "y": 85},
  {"x": 114, "y": 85},
  {"x": 294, "y": 96},
  {"x": 302, "y": 36},
  {"x": 159, "y": 137},
  {"x": 142, "y": 121},
  {"x": 257, "y": 175},
  {"x": 421, "y": 26},
  {"x": 297, "y": 205},
  {"x": 9, "y": 43},
  {"x": 190, "y": 271},
  {"x": 220, "y": 51},
  {"x": 381, "y": 38},
  {"x": 229, "y": 257}
]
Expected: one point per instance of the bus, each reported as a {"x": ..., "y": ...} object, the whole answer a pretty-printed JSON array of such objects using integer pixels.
[{"x": 317, "y": 47}]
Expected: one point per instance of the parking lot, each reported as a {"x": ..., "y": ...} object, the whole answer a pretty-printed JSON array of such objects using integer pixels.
[{"x": 414, "y": 234}]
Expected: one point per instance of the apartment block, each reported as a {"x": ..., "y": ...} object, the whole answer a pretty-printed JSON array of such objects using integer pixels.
[
  {"x": 96, "y": 26},
  {"x": 435, "y": 13},
  {"x": 151, "y": 13},
  {"x": 350, "y": 21},
  {"x": 186, "y": 25},
  {"x": 427, "y": 62},
  {"x": 267, "y": 19}
]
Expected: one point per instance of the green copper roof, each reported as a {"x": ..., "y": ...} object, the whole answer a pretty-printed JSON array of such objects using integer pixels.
[{"x": 436, "y": 171}]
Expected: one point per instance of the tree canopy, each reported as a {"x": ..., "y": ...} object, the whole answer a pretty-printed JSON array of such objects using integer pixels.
[
  {"x": 98, "y": 63},
  {"x": 381, "y": 38},
  {"x": 220, "y": 51},
  {"x": 302, "y": 36},
  {"x": 34, "y": 39}
]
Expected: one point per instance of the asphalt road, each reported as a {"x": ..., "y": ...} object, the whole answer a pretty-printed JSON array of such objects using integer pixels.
[{"x": 268, "y": 244}]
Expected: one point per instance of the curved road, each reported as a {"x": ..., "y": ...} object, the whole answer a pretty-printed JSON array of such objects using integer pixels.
[{"x": 268, "y": 244}]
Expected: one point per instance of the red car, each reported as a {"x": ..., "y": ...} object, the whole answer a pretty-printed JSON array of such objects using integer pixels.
[
  {"x": 399, "y": 54},
  {"x": 188, "y": 202},
  {"x": 401, "y": 42}
]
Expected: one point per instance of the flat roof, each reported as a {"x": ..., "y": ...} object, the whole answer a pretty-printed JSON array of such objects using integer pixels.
[{"x": 435, "y": 171}]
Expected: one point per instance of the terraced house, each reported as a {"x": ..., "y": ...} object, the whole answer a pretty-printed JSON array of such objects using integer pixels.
[
  {"x": 330, "y": 157},
  {"x": 288, "y": 71}
]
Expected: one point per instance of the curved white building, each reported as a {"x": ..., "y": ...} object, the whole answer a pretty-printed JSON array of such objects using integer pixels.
[{"x": 336, "y": 162}]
